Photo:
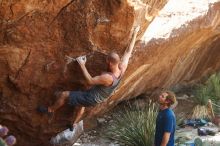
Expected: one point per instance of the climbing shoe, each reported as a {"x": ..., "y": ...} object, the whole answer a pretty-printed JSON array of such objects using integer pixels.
[
  {"x": 44, "y": 110},
  {"x": 70, "y": 126}
]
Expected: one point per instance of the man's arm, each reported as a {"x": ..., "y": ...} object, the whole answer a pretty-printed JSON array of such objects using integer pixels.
[
  {"x": 168, "y": 128},
  {"x": 128, "y": 51},
  {"x": 104, "y": 79},
  {"x": 166, "y": 137}
]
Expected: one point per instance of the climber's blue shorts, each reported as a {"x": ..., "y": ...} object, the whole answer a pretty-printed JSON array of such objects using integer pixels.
[{"x": 80, "y": 98}]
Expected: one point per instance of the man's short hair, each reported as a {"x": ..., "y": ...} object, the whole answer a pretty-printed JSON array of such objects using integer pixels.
[
  {"x": 113, "y": 58},
  {"x": 171, "y": 97}
]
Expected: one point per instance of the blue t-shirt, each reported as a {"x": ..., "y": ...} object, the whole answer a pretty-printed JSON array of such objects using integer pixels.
[{"x": 166, "y": 122}]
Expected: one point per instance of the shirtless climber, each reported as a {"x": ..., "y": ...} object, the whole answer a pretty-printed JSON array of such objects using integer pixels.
[{"x": 103, "y": 85}]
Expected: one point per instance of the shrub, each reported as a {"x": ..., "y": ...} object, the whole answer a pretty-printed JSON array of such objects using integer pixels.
[
  {"x": 134, "y": 127},
  {"x": 202, "y": 95},
  {"x": 213, "y": 84},
  {"x": 210, "y": 90}
]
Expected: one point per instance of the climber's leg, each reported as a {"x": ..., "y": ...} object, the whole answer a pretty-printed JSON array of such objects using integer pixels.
[
  {"x": 79, "y": 114},
  {"x": 62, "y": 98}
]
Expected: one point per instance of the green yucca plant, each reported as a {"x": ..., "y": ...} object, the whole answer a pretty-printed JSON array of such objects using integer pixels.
[
  {"x": 210, "y": 90},
  {"x": 202, "y": 95},
  {"x": 214, "y": 86},
  {"x": 134, "y": 127}
]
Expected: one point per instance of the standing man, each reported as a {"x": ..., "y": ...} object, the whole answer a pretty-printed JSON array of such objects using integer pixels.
[
  {"x": 166, "y": 120},
  {"x": 103, "y": 85}
]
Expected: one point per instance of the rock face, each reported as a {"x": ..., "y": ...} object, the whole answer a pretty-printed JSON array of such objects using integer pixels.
[{"x": 36, "y": 35}]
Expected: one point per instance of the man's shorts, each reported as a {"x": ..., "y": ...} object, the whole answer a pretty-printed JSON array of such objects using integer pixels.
[{"x": 80, "y": 98}]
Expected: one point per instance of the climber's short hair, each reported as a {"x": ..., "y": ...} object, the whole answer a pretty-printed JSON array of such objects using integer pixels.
[{"x": 113, "y": 58}]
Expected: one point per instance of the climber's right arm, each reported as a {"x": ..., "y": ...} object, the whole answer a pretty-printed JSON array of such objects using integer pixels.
[{"x": 128, "y": 51}]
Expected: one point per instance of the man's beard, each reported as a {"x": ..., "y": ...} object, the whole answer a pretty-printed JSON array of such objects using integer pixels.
[{"x": 162, "y": 103}]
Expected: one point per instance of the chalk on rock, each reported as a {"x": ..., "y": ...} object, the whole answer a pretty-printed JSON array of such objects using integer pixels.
[{"x": 67, "y": 136}]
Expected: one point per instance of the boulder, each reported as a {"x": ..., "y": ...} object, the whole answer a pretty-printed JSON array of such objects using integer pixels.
[{"x": 37, "y": 35}]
